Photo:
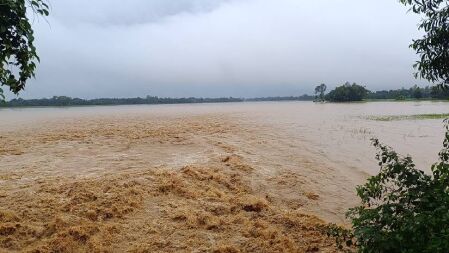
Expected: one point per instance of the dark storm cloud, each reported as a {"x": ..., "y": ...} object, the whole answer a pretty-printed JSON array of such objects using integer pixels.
[{"x": 107, "y": 48}]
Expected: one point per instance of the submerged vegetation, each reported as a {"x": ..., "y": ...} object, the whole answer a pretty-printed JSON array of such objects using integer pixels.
[{"x": 409, "y": 117}]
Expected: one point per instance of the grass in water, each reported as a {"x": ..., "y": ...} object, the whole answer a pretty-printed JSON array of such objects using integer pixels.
[{"x": 409, "y": 117}]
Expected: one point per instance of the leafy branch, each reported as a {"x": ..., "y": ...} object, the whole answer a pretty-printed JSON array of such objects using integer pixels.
[{"x": 18, "y": 56}]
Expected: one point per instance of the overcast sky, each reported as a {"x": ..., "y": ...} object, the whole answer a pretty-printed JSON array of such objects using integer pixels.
[{"x": 241, "y": 48}]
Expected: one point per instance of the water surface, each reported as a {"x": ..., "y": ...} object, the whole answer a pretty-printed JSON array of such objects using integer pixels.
[{"x": 339, "y": 133}]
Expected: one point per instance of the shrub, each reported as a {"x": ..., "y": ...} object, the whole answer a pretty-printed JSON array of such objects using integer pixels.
[{"x": 402, "y": 209}]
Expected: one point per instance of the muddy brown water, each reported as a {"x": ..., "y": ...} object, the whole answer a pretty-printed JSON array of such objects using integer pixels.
[
  {"x": 339, "y": 133},
  {"x": 121, "y": 170}
]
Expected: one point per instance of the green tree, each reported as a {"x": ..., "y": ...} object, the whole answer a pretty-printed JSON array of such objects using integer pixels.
[
  {"x": 417, "y": 93},
  {"x": 347, "y": 93},
  {"x": 319, "y": 92},
  {"x": 17, "y": 51},
  {"x": 439, "y": 93},
  {"x": 433, "y": 47}
]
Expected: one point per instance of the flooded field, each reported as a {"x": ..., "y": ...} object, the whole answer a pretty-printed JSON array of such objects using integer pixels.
[{"x": 205, "y": 177}]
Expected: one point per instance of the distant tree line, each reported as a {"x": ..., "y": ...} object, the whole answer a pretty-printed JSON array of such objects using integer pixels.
[
  {"x": 415, "y": 92},
  {"x": 345, "y": 93},
  {"x": 354, "y": 92},
  {"x": 68, "y": 101},
  {"x": 304, "y": 97}
]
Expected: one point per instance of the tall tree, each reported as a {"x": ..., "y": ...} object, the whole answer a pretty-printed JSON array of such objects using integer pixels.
[
  {"x": 319, "y": 91},
  {"x": 18, "y": 55},
  {"x": 433, "y": 47}
]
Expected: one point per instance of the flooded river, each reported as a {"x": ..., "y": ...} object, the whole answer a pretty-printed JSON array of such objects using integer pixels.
[
  {"x": 164, "y": 178},
  {"x": 337, "y": 132}
]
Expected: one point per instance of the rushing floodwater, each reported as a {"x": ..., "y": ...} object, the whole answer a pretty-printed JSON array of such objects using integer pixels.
[{"x": 339, "y": 133}]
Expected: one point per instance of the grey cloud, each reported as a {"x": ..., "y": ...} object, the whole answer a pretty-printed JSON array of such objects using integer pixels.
[
  {"x": 130, "y": 12},
  {"x": 221, "y": 48}
]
